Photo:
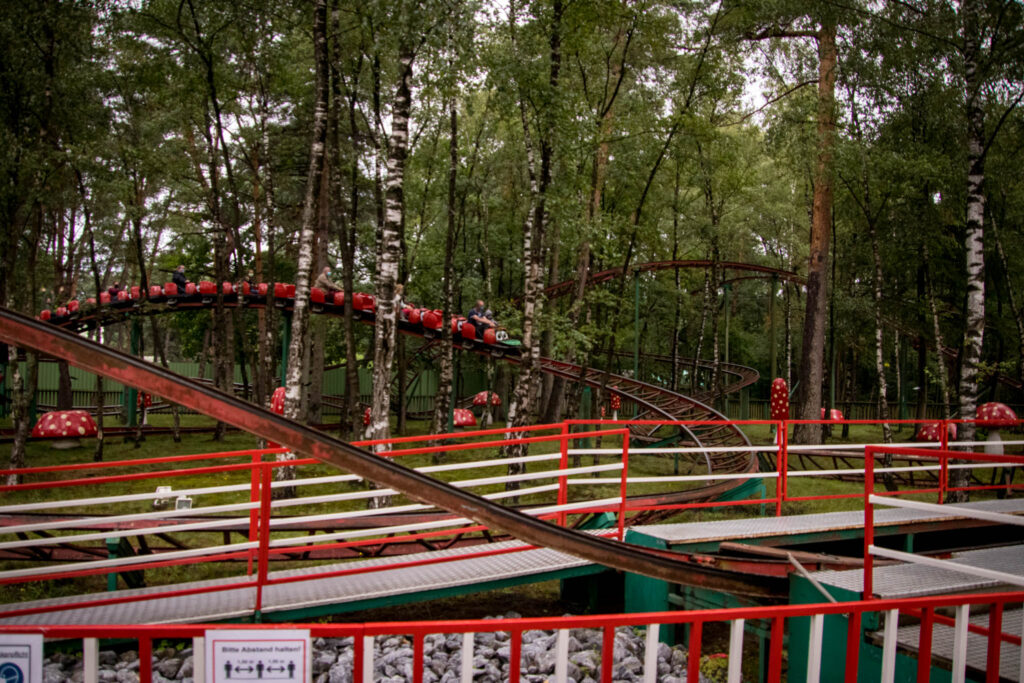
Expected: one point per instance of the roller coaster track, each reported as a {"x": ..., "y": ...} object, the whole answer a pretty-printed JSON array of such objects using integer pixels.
[
  {"x": 735, "y": 376},
  {"x": 653, "y": 402},
  {"x": 567, "y": 286},
  {"x": 19, "y": 330}
]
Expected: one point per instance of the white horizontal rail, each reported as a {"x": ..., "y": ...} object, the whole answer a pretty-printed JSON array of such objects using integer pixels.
[
  {"x": 448, "y": 467},
  {"x": 681, "y": 449},
  {"x": 945, "y": 510},
  {"x": 233, "y": 488},
  {"x": 135, "y": 560},
  {"x": 376, "y": 531},
  {"x": 801, "y": 448},
  {"x": 435, "y": 524},
  {"x": 249, "y": 505},
  {"x": 703, "y": 477},
  {"x": 949, "y": 565},
  {"x": 861, "y": 470},
  {"x": 123, "y": 533}
]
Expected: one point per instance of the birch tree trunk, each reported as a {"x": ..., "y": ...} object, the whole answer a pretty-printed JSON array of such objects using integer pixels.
[
  {"x": 883, "y": 400},
  {"x": 300, "y": 312},
  {"x": 385, "y": 331},
  {"x": 443, "y": 401},
  {"x": 974, "y": 318},
  {"x": 524, "y": 397}
]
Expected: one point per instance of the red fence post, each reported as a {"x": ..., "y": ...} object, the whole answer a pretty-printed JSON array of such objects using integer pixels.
[
  {"x": 254, "y": 497},
  {"x": 607, "y": 653},
  {"x": 775, "y": 651},
  {"x": 924, "y": 645},
  {"x": 263, "y": 551},
  {"x": 943, "y": 462},
  {"x": 623, "y": 486},
  {"x": 563, "y": 464},
  {"x": 693, "y": 663},
  {"x": 995, "y": 632},
  {"x": 852, "y": 648},
  {"x": 417, "y": 658},
  {"x": 145, "y": 659},
  {"x": 869, "y": 519},
  {"x": 515, "y": 653},
  {"x": 782, "y": 458},
  {"x": 357, "y": 656}
]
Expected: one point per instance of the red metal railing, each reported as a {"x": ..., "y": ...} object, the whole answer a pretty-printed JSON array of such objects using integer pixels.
[
  {"x": 777, "y": 615},
  {"x": 259, "y": 550}
]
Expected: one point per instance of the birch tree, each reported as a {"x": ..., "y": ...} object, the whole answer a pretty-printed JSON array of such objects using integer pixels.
[{"x": 300, "y": 312}]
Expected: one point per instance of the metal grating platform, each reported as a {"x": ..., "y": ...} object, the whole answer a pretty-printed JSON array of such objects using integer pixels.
[
  {"x": 977, "y": 644},
  {"x": 240, "y": 602},
  {"x": 766, "y": 527},
  {"x": 915, "y": 580}
]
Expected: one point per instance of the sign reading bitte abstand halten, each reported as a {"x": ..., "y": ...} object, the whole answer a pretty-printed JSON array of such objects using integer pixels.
[
  {"x": 258, "y": 655},
  {"x": 21, "y": 658}
]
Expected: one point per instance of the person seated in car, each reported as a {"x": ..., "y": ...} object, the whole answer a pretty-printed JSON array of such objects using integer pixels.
[{"x": 478, "y": 316}]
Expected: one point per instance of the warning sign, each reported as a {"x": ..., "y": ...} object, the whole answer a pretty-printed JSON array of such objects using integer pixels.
[
  {"x": 21, "y": 658},
  {"x": 271, "y": 655}
]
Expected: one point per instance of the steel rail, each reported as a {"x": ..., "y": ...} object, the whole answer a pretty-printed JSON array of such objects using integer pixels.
[
  {"x": 20, "y": 330},
  {"x": 655, "y": 400},
  {"x": 567, "y": 286}
]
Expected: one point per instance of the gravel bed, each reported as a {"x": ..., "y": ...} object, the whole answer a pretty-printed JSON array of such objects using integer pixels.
[{"x": 393, "y": 656}]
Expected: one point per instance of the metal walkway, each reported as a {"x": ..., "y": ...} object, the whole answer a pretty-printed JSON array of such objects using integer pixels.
[
  {"x": 908, "y": 638},
  {"x": 771, "y": 530},
  {"x": 428, "y": 581},
  {"x": 915, "y": 580},
  {"x": 281, "y": 599}
]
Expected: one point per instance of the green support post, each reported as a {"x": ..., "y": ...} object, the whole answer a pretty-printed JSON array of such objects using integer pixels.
[
  {"x": 636, "y": 334},
  {"x": 585, "y": 413},
  {"x": 131, "y": 394},
  {"x": 773, "y": 345},
  {"x": 5, "y": 371},
  {"x": 728, "y": 315},
  {"x": 286, "y": 341}
]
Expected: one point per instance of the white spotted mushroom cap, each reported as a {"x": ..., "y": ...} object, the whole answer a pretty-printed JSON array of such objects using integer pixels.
[
  {"x": 480, "y": 399},
  {"x": 995, "y": 415},
  {"x": 931, "y": 431},
  {"x": 463, "y": 418},
  {"x": 778, "y": 405},
  {"x": 277, "y": 401},
  {"x": 66, "y": 423}
]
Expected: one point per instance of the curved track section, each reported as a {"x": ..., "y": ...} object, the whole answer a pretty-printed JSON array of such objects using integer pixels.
[
  {"x": 734, "y": 375},
  {"x": 20, "y": 330},
  {"x": 566, "y": 287},
  {"x": 654, "y": 402}
]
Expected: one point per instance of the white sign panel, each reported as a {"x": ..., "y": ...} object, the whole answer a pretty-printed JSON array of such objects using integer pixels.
[
  {"x": 21, "y": 658},
  {"x": 255, "y": 655}
]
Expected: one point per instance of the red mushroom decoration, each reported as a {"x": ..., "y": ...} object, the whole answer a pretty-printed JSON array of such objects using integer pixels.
[
  {"x": 68, "y": 426},
  {"x": 277, "y": 401},
  {"x": 463, "y": 417},
  {"x": 778, "y": 404},
  {"x": 932, "y": 431},
  {"x": 366, "y": 417},
  {"x": 480, "y": 399},
  {"x": 995, "y": 416},
  {"x": 835, "y": 415},
  {"x": 276, "y": 406},
  {"x": 615, "y": 401}
]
